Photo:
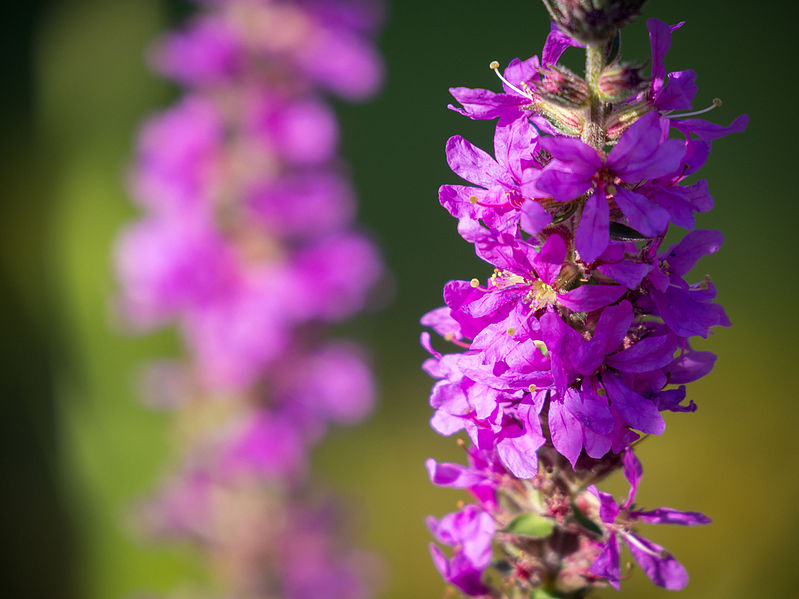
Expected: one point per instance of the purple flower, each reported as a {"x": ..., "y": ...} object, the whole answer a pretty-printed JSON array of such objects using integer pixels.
[
  {"x": 534, "y": 278},
  {"x": 498, "y": 200},
  {"x": 676, "y": 90},
  {"x": 659, "y": 565},
  {"x": 641, "y": 153},
  {"x": 481, "y": 477},
  {"x": 609, "y": 370},
  {"x": 470, "y": 532},
  {"x": 518, "y": 79},
  {"x": 688, "y": 310}
]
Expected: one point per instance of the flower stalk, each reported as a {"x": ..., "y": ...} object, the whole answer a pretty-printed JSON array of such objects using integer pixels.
[
  {"x": 594, "y": 134},
  {"x": 579, "y": 343}
]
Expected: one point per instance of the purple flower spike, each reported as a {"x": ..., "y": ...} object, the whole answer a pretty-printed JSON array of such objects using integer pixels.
[
  {"x": 579, "y": 341},
  {"x": 248, "y": 248}
]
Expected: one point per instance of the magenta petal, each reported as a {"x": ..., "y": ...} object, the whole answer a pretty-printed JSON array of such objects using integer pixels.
[
  {"x": 660, "y": 42},
  {"x": 633, "y": 472},
  {"x": 691, "y": 367},
  {"x": 592, "y": 233},
  {"x": 607, "y": 564},
  {"x": 645, "y": 355},
  {"x": 580, "y": 158},
  {"x": 710, "y": 131},
  {"x": 512, "y": 140},
  {"x": 452, "y": 475},
  {"x": 473, "y": 164},
  {"x": 682, "y": 257},
  {"x": 637, "y": 144},
  {"x": 485, "y": 104},
  {"x": 556, "y": 44},
  {"x": 666, "y": 159},
  {"x": 520, "y": 70},
  {"x": 687, "y": 312},
  {"x": 588, "y": 298},
  {"x": 679, "y": 91},
  {"x": 667, "y": 515},
  {"x": 643, "y": 214},
  {"x": 566, "y": 432},
  {"x": 518, "y": 454},
  {"x": 549, "y": 259},
  {"x": 596, "y": 445},
  {"x": 638, "y": 412},
  {"x": 441, "y": 321},
  {"x": 590, "y": 409},
  {"x": 563, "y": 186},
  {"x": 629, "y": 274},
  {"x": 608, "y": 508},
  {"x": 614, "y": 322},
  {"x": 534, "y": 218},
  {"x": 657, "y": 563}
]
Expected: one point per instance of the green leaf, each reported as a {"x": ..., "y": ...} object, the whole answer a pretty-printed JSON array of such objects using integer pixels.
[
  {"x": 531, "y": 525},
  {"x": 585, "y": 521},
  {"x": 544, "y": 594}
]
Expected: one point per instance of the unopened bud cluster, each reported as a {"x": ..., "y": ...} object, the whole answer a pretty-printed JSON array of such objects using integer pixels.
[
  {"x": 572, "y": 351},
  {"x": 592, "y": 21}
]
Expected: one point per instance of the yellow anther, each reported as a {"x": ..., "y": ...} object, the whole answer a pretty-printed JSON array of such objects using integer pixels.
[
  {"x": 449, "y": 337},
  {"x": 474, "y": 282},
  {"x": 511, "y": 331},
  {"x": 716, "y": 102},
  {"x": 493, "y": 65},
  {"x": 532, "y": 388},
  {"x": 473, "y": 200},
  {"x": 611, "y": 189}
]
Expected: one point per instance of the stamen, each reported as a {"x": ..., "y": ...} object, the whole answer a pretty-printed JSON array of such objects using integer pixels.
[
  {"x": 494, "y": 66},
  {"x": 474, "y": 282},
  {"x": 475, "y": 200},
  {"x": 715, "y": 104},
  {"x": 532, "y": 388}
]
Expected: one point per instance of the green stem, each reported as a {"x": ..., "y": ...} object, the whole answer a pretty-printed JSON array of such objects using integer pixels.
[{"x": 593, "y": 134}]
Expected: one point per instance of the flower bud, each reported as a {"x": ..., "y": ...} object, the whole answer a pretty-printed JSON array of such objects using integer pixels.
[
  {"x": 619, "y": 81},
  {"x": 559, "y": 84},
  {"x": 592, "y": 21}
]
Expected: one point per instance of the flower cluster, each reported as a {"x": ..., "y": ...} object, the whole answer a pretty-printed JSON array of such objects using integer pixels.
[
  {"x": 580, "y": 340},
  {"x": 248, "y": 246}
]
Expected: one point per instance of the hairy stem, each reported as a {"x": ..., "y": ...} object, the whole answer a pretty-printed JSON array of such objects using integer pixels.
[{"x": 593, "y": 133}]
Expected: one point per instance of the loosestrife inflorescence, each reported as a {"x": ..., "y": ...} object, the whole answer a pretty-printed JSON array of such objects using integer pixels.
[
  {"x": 248, "y": 246},
  {"x": 579, "y": 341}
]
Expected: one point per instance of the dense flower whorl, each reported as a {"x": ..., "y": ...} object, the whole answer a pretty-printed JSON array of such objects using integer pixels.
[
  {"x": 579, "y": 341},
  {"x": 248, "y": 245}
]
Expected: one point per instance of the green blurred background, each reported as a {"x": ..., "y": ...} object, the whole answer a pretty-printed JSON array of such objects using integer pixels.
[{"x": 79, "y": 447}]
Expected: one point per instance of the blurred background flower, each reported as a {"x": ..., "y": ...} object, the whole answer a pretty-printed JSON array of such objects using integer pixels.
[{"x": 79, "y": 448}]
